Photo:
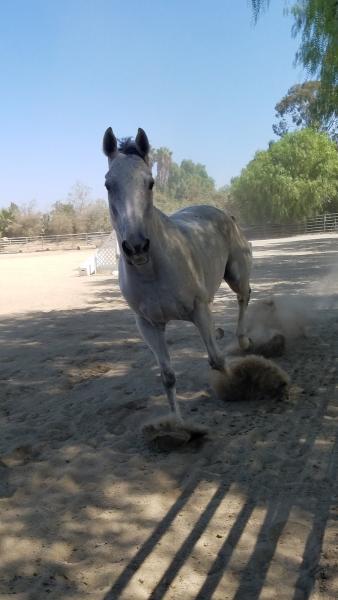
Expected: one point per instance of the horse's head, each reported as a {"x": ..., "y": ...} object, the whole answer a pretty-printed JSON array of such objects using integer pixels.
[{"x": 129, "y": 183}]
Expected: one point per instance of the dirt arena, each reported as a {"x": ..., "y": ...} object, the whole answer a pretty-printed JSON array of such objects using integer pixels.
[{"x": 88, "y": 511}]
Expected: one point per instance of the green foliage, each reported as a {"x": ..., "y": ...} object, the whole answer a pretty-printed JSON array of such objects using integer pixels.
[
  {"x": 61, "y": 218},
  {"x": 316, "y": 21},
  {"x": 176, "y": 186},
  {"x": 300, "y": 108},
  {"x": 295, "y": 178},
  {"x": 24, "y": 221},
  {"x": 7, "y": 218},
  {"x": 97, "y": 216},
  {"x": 162, "y": 158},
  {"x": 179, "y": 185},
  {"x": 79, "y": 214},
  {"x": 259, "y": 6},
  {"x": 191, "y": 182}
]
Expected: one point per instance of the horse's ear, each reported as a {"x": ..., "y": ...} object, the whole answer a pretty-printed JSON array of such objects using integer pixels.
[
  {"x": 109, "y": 143},
  {"x": 142, "y": 143}
]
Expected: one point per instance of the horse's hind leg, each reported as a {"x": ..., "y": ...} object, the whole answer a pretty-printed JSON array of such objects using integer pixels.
[
  {"x": 203, "y": 320},
  {"x": 237, "y": 278},
  {"x": 154, "y": 336},
  {"x": 243, "y": 301}
]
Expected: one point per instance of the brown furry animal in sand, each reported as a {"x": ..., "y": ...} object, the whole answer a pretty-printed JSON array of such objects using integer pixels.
[{"x": 250, "y": 378}]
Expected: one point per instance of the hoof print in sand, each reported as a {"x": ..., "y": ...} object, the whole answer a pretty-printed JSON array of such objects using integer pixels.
[
  {"x": 251, "y": 378},
  {"x": 168, "y": 433}
]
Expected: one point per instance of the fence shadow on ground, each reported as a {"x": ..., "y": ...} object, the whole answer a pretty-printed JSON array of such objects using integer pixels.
[{"x": 91, "y": 510}]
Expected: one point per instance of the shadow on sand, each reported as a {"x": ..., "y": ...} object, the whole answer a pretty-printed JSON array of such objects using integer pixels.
[{"x": 89, "y": 511}]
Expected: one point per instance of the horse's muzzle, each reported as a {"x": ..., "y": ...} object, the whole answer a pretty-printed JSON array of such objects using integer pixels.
[{"x": 136, "y": 252}]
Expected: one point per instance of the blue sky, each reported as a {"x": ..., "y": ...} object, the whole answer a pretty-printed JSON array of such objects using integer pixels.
[{"x": 197, "y": 75}]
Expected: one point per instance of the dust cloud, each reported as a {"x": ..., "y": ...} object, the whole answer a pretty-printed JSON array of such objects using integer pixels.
[{"x": 293, "y": 315}]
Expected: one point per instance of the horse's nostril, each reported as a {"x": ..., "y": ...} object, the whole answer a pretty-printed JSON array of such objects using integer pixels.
[
  {"x": 146, "y": 245},
  {"x": 127, "y": 248},
  {"x": 142, "y": 248},
  {"x": 131, "y": 249}
]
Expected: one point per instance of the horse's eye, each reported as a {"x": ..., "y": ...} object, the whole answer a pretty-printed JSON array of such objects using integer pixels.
[{"x": 151, "y": 184}]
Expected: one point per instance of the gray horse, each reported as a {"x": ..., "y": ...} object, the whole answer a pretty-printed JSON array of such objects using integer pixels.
[{"x": 171, "y": 266}]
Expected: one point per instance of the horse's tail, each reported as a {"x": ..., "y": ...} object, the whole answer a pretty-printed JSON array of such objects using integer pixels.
[
  {"x": 239, "y": 238},
  {"x": 238, "y": 267}
]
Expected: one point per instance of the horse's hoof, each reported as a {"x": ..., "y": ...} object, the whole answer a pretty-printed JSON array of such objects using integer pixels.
[
  {"x": 244, "y": 343},
  {"x": 170, "y": 433}
]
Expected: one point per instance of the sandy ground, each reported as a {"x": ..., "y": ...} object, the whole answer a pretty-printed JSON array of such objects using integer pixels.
[
  {"x": 43, "y": 281},
  {"x": 89, "y": 511}
]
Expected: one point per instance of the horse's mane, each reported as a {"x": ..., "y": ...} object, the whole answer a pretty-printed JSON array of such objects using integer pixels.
[{"x": 128, "y": 146}]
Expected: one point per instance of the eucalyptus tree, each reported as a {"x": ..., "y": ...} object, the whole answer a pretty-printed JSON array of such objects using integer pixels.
[{"x": 316, "y": 22}]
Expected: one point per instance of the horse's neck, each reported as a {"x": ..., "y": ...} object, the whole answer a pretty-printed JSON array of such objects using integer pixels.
[
  {"x": 164, "y": 234},
  {"x": 160, "y": 224}
]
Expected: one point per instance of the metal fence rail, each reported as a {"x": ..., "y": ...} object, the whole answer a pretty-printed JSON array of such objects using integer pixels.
[
  {"x": 321, "y": 224},
  {"x": 327, "y": 223},
  {"x": 40, "y": 243}
]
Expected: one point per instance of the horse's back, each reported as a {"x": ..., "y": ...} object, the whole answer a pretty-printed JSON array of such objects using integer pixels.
[
  {"x": 221, "y": 239},
  {"x": 202, "y": 235},
  {"x": 204, "y": 221},
  {"x": 203, "y": 214}
]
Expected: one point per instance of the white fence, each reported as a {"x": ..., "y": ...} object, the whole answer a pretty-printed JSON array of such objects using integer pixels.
[
  {"x": 40, "y": 243},
  {"x": 106, "y": 259}
]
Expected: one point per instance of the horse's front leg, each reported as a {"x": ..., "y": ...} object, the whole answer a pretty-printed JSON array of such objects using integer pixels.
[
  {"x": 154, "y": 336},
  {"x": 203, "y": 320}
]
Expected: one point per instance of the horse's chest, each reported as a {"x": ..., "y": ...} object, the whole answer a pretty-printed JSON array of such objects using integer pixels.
[
  {"x": 164, "y": 309},
  {"x": 159, "y": 304}
]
